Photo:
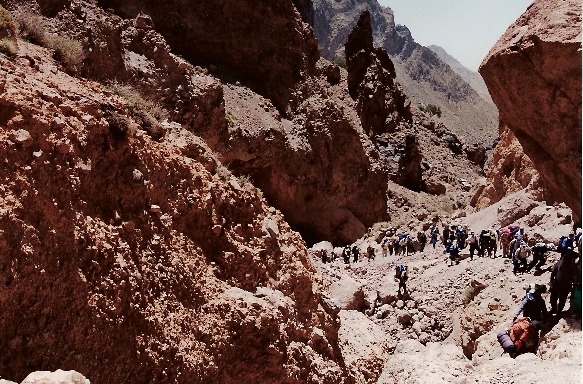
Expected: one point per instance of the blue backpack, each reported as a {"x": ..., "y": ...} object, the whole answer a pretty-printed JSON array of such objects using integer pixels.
[{"x": 561, "y": 246}]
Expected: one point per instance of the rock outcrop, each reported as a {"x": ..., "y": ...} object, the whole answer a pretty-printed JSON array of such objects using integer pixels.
[
  {"x": 266, "y": 44},
  {"x": 130, "y": 259},
  {"x": 309, "y": 158},
  {"x": 425, "y": 78},
  {"x": 509, "y": 171},
  {"x": 380, "y": 101},
  {"x": 534, "y": 76}
]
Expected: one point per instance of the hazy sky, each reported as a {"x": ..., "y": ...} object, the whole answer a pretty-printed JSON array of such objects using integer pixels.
[{"x": 466, "y": 29}]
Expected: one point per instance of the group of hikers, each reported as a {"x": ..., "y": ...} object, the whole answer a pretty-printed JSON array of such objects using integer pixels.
[{"x": 514, "y": 243}]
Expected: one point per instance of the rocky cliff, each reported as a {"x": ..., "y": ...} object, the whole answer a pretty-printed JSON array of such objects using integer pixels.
[
  {"x": 288, "y": 135},
  {"x": 534, "y": 76},
  {"x": 131, "y": 259},
  {"x": 510, "y": 170},
  {"x": 425, "y": 78}
]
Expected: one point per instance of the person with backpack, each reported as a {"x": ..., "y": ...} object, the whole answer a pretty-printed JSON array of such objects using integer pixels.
[
  {"x": 533, "y": 305},
  {"x": 355, "y": 252},
  {"x": 566, "y": 246},
  {"x": 434, "y": 233},
  {"x": 520, "y": 258},
  {"x": 370, "y": 253},
  {"x": 523, "y": 337},
  {"x": 385, "y": 244},
  {"x": 346, "y": 254},
  {"x": 538, "y": 256},
  {"x": 446, "y": 233},
  {"x": 401, "y": 276},
  {"x": 452, "y": 248},
  {"x": 474, "y": 244}
]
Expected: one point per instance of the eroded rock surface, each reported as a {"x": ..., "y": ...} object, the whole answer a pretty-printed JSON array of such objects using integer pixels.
[
  {"x": 124, "y": 257},
  {"x": 534, "y": 76}
]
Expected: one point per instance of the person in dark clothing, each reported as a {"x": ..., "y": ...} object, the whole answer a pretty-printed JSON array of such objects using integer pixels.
[
  {"x": 355, "y": 252},
  {"x": 567, "y": 246},
  {"x": 346, "y": 254},
  {"x": 324, "y": 256},
  {"x": 538, "y": 256},
  {"x": 434, "y": 235},
  {"x": 401, "y": 276},
  {"x": 533, "y": 305},
  {"x": 563, "y": 276},
  {"x": 445, "y": 234},
  {"x": 422, "y": 238},
  {"x": 474, "y": 245}
]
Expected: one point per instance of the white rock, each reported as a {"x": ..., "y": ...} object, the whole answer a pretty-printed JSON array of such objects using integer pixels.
[{"x": 57, "y": 377}]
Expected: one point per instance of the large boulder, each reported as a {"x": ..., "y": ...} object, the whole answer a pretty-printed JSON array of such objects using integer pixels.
[
  {"x": 364, "y": 346},
  {"x": 57, "y": 377},
  {"x": 534, "y": 76},
  {"x": 348, "y": 293}
]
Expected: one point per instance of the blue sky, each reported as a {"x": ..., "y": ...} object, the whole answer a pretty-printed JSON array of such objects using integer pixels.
[{"x": 466, "y": 29}]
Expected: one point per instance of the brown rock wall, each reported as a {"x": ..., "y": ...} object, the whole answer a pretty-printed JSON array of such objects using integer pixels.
[
  {"x": 534, "y": 76},
  {"x": 134, "y": 260},
  {"x": 265, "y": 43},
  {"x": 510, "y": 170}
]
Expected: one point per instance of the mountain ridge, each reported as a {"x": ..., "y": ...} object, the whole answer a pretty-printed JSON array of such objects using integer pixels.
[{"x": 425, "y": 78}]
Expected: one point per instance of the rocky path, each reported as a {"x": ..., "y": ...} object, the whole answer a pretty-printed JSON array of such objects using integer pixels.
[{"x": 444, "y": 330}]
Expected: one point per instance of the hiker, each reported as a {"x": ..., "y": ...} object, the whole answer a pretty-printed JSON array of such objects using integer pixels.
[
  {"x": 333, "y": 255},
  {"x": 434, "y": 232},
  {"x": 463, "y": 236},
  {"x": 513, "y": 246},
  {"x": 538, "y": 256},
  {"x": 346, "y": 254},
  {"x": 370, "y": 253},
  {"x": 355, "y": 252},
  {"x": 410, "y": 246},
  {"x": 520, "y": 257},
  {"x": 474, "y": 245},
  {"x": 445, "y": 234},
  {"x": 521, "y": 235},
  {"x": 487, "y": 242},
  {"x": 452, "y": 248},
  {"x": 567, "y": 246},
  {"x": 385, "y": 244},
  {"x": 533, "y": 305},
  {"x": 324, "y": 256},
  {"x": 562, "y": 281},
  {"x": 391, "y": 244},
  {"x": 401, "y": 276},
  {"x": 402, "y": 245},
  {"x": 524, "y": 334},
  {"x": 422, "y": 238},
  {"x": 505, "y": 243}
]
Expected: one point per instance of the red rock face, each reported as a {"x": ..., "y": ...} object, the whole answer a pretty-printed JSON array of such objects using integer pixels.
[
  {"x": 534, "y": 76},
  {"x": 132, "y": 260},
  {"x": 265, "y": 42},
  {"x": 510, "y": 170}
]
